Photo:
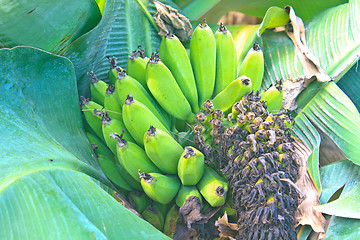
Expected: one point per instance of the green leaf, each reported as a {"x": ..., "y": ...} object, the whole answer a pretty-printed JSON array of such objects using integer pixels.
[
  {"x": 307, "y": 133},
  {"x": 274, "y": 17},
  {"x": 50, "y": 183},
  {"x": 337, "y": 175},
  {"x": 213, "y": 10},
  {"x": 122, "y": 28},
  {"x": 333, "y": 177},
  {"x": 49, "y": 25},
  {"x": 334, "y": 113},
  {"x": 350, "y": 85}
]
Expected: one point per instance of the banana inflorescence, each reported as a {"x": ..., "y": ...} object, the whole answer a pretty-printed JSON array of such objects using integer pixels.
[{"x": 173, "y": 127}]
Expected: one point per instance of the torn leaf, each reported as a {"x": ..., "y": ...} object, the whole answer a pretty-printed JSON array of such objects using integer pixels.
[
  {"x": 306, "y": 214},
  {"x": 296, "y": 31},
  {"x": 227, "y": 230},
  {"x": 170, "y": 20},
  {"x": 292, "y": 87}
]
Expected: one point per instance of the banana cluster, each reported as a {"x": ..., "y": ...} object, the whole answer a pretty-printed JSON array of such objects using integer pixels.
[
  {"x": 255, "y": 151},
  {"x": 159, "y": 138}
]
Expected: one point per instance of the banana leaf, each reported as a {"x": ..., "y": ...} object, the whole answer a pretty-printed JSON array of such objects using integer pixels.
[{"x": 51, "y": 185}]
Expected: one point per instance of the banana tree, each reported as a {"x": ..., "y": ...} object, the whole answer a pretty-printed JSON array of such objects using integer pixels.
[{"x": 53, "y": 187}]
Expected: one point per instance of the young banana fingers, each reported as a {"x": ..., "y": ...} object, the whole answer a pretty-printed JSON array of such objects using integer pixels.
[
  {"x": 232, "y": 93},
  {"x": 136, "y": 66},
  {"x": 253, "y": 66},
  {"x": 159, "y": 187},
  {"x": 138, "y": 119},
  {"x": 273, "y": 97},
  {"x": 93, "y": 114},
  {"x": 191, "y": 166},
  {"x": 132, "y": 158},
  {"x": 203, "y": 60},
  {"x": 113, "y": 73},
  {"x": 162, "y": 149},
  {"x": 226, "y": 62},
  {"x": 97, "y": 89},
  {"x": 112, "y": 103},
  {"x": 174, "y": 56},
  {"x": 185, "y": 192},
  {"x": 213, "y": 187},
  {"x": 166, "y": 91}
]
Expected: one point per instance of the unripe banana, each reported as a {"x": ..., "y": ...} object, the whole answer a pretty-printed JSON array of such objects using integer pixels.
[
  {"x": 113, "y": 73},
  {"x": 126, "y": 85},
  {"x": 162, "y": 149},
  {"x": 112, "y": 103},
  {"x": 170, "y": 221},
  {"x": 139, "y": 200},
  {"x": 154, "y": 216},
  {"x": 97, "y": 89},
  {"x": 92, "y": 113},
  {"x": 136, "y": 66},
  {"x": 273, "y": 96},
  {"x": 253, "y": 66},
  {"x": 166, "y": 91},
  {"x": 213, "y": 187},
  {"x": 109, "y": 168},
  {"x": 232, "y": 93},
  {"x": 132, "y": 158},
  {"x": 159, "y": 187},
  {"x": 112, "y": 126},
  {"x": 185, "y": 192},
  {"x": 100, "y": 149},
  {"x": 203, "y": 60},
  {"x": 191, "y": 166},
  {"x": 138, "y": 119},
  {"x": 226, "y": 62},
  {"x": 174, "y": 56}
]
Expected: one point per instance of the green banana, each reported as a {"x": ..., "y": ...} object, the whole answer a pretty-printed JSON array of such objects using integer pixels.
[
  {"x": 132, "y": 158},
  {"x": 253, "y": 66},
  {"x": 111, "y": 126},
  {"x": 97, "y": 89},
  {"x": 136, "y": 66},
  {"x": 100, "y": 149},
  {"x": 170, "y": 221},
  {"x": 92, "y": 113},
  {"x": 173, "y": 55},
  {"x": 138, "y": 119},
  {"x": 232, "y": 93},
  {"x": 109, "y": 168},
  {"x": 185, "y": 192},
  {"x": 213, "y": 187},
  {"x": 273, "y": 96},
  {"x": 191, "y": 166},
  {"x": 154, "y": 216},
  {"x": 162, "y": 149},
  {"x": 159, "y": 187},
  {"x": 166, "y": 91},
  {"x": 226, "y": 62},
  {"x": 113, "y": 73},
  {"x": 98, "y": 146},
  {"x": 126, "y": 85},
  {"x": 139, "y": 200},
  {"x": 112, "y": 103},
  {"x": 203, "y": 60}
]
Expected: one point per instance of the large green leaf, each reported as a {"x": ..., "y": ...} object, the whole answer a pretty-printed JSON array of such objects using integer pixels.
[
  {"x": 350, "y": 84},
  {"x": 50, "y": 25},
  {"x": 214, "y": 9},
  {"x": 50, "y": 185},
  {"x": 123, "y": 27},
  {"x": 333, "y": 177}
]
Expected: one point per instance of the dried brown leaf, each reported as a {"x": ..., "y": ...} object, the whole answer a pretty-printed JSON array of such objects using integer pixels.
[
  {"x": 296, "y": 31},
  {"x": 292, "y": 87},
  {"x": 306, "y": 214},
  {"x": 170, "y": 20},
  {"x": 227, "y": 230}
]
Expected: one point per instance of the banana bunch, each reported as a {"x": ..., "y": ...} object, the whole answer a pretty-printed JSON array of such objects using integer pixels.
[{"x": 164, "y": 128}]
